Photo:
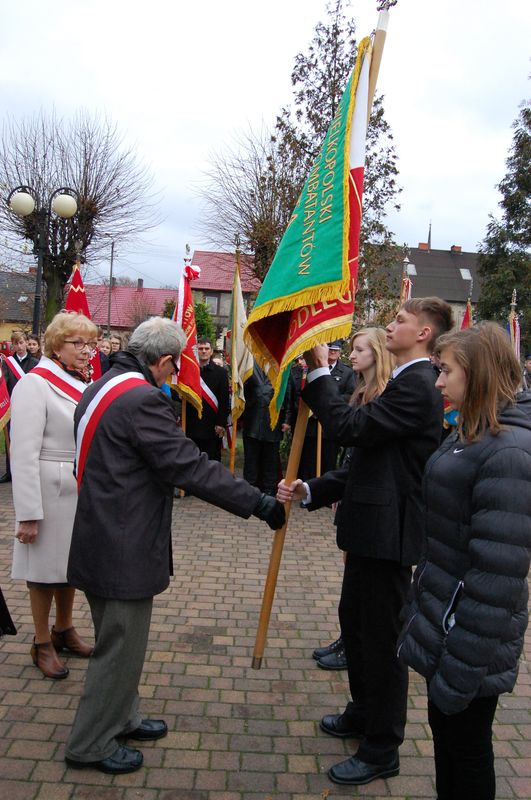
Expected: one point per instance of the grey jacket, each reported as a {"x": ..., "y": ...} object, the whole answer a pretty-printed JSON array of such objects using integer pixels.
[{"x": 465, "y": 623}]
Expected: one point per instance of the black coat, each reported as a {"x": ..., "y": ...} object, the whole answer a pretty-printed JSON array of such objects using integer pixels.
[
  {"x": 466, "y": 619},
  {"x": 217, "y": 379},
  {"x": 26, "y": 366},
  {"x": 391, "y": 437},
  {"x": 256, "y": 420},
  {"x": 122, "y": 530}
]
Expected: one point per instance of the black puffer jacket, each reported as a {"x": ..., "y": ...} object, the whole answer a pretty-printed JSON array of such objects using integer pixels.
[{"x": 467, "y": 616}]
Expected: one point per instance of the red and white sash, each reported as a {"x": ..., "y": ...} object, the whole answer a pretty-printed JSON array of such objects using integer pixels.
[
  {"x": 63, "y": 383},
  {"x": 14, "y": 367},
  {"x": 101, "y": 401},
  {"x": 208, "y": 395}
]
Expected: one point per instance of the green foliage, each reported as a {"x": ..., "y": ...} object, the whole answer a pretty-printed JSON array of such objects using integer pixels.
[
  {"x": 505, "y": 254},
  {"x": 169, "y": 307},
  {"x": 204, "y": 322},
  {"x": 203, "y": 318}
]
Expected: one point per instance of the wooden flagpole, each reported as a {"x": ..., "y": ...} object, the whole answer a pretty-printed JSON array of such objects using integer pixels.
[
  {"x": 304, "y": 411},
  {"x": 280, "y": 535}
]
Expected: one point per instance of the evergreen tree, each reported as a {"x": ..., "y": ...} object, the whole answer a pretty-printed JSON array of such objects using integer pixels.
[{"x": 505, "y": 254}]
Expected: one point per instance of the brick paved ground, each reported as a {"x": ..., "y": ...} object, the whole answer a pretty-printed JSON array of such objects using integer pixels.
[{"x": 235, "y": 733}]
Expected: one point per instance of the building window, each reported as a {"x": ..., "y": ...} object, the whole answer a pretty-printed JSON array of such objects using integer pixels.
[{"x": 212, "y": 301}]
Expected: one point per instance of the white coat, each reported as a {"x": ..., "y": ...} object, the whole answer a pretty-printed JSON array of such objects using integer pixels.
[{"x": 42, "y": 460}]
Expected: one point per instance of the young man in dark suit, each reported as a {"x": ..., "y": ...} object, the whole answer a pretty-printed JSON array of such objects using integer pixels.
[
  {"x": 379, "y": 525},
  {"x": 208, "y": 432}
]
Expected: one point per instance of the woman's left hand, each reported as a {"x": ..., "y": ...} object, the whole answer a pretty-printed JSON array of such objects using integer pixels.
[{"x": 27, "y": 531}]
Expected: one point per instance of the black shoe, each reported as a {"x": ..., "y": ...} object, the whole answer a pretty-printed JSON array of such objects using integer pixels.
[
  {"x": 337, "y": 660},
  {"x": 338, "y": 725},
  {"x": 5, "y": 478},
  {"x": 148, "y": 729},
  {"x": 354, "y": 772},
  {"x": 320, "y": 652},
  {"x": 124, "y": 759}
]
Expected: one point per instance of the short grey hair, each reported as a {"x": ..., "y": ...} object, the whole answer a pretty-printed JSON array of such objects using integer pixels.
[{"x": 156, "y": 337}]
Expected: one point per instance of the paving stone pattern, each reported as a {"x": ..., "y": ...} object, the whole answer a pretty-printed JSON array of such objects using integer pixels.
[{"x": 235, "y": 733}]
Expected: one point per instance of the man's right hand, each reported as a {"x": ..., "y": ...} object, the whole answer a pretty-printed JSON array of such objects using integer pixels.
[
  {"x": 270, "y": 510},
  {"x": 294, "y": 491}
]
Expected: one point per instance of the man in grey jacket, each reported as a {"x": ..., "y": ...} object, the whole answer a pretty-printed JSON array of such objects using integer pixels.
[{"x": 130, "y": 456}]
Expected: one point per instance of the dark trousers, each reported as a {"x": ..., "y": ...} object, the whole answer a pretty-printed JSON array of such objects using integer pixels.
[
  {"x": 372, "y": 596},
  {"x": 260, "y": 465},
  {"x": 212, "y": 447},
  {"x": 464, "y": 759}
]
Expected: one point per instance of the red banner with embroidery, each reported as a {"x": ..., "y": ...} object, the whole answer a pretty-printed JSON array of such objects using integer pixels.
[
  {"x": 5, "y": 403},
  {"x": 188, "y": 381}
]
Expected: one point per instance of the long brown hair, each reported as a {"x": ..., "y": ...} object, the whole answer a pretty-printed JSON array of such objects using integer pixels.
[
  {"x": 384, "y": 362},
  {"x": 492, "y": 376}
]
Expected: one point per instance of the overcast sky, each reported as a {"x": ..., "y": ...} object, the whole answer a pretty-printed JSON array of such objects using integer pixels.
[{"x": 182, "y": 79}]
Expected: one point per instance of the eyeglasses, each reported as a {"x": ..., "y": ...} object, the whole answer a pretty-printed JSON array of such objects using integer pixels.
[
  {"x": 173, "y": 363},
  {"x": 79, "y": 345}
]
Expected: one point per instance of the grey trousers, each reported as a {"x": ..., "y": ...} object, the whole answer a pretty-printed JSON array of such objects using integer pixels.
[{"x": 109, "y": 703}]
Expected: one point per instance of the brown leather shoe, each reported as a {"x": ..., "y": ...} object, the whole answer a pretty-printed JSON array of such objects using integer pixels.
[
  {"x": 45, "y": 658},
  {"x": 71, "y": 640}
]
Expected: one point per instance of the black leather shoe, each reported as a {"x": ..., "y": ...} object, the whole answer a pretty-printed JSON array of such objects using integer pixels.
[
  {"x": 338, "y": 725},
  {"x": 148, "y": 729},
  {"x": 337, "y": 660},
  {"x": 355, "y": 772},
  {"x": 123, "y": 760},
  {"x": 5, "y": 478},
  {"x": 320, "y": 652}
]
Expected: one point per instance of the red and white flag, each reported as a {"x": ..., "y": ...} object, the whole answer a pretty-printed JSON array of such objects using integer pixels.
[
  {"x": 188, "y": 381},
  {"x": 76, "y": 300}
]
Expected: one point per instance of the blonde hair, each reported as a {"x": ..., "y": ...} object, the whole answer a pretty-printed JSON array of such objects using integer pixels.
[
  {"x": 63, "y": 325},
  {"x": 384, "y": 363},
  {"x": 492, "y": 376}
]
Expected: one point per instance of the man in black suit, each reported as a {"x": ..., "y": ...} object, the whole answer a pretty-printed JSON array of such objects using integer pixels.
[
  {"x": 379, "y": 525},
  {"x": 208, "y": 432}
]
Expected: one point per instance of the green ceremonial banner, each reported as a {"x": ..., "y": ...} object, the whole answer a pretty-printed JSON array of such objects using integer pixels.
[{"x": 308, "y": 293}]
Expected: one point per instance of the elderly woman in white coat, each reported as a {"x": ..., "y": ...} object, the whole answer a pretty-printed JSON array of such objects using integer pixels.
[{"x": 44, "y": 487}]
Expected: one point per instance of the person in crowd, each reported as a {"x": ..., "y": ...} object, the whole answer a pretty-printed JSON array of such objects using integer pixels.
[
  {"x": 18, "y": 364},
  {"x": 208, "y": 432},
  {"x": 131, "y": 455},
  {"x": 467, "y": 614},
  {"x": 373, "y": 364},
  {"x": 527, "y": 372},
  {"x": 105, "y": 347},
  {"x": 34, "y": 346},
  {"x": 116, "y": 342},
  {"x": 44, "y": 488},
  {"x": 379, "y": 525},
  {"x": 261, "y": 445}
]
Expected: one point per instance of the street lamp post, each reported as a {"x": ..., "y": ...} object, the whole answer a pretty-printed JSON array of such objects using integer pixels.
[{"x": 22, "y": 201}]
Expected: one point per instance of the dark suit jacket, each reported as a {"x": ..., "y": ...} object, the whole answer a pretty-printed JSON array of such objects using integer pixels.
[
  {"x": 392, "y": 438},
  {"x": 217, "y": 379}
]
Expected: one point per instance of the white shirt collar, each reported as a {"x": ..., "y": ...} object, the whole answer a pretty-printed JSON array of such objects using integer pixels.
[{"x": 398, "y": 370}]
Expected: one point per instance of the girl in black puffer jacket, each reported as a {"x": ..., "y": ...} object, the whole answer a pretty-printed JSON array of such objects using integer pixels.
[{"x": 465, "y": 622}]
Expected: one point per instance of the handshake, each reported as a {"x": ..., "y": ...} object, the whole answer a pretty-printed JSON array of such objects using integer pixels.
[{"x": 271, "y": 511}]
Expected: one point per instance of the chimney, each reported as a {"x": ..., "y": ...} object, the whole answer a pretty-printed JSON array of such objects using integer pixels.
[
  {"x": 113, "y": 283},
  {"x": 424, "y": 246},
  {"x": 32, "y": 270},
  {"x": 140, "y": 284},
  {"x": 455, "y": 248}
]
